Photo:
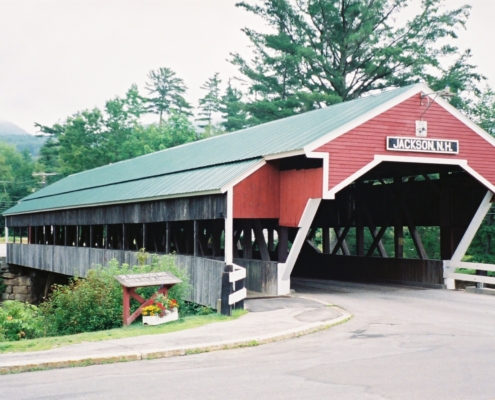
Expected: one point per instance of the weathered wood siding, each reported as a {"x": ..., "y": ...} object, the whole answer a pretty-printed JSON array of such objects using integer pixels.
[
  {"x": 205, "y": 277},
  {"x": 261, "y": 276},
  {"x": 205, "y": 274},
  {"x": 326, "y": 266},
  {"x": 357, "y": 148},
  {"x": 181, "y": 209},
  {"x": 258, "y": 196}
]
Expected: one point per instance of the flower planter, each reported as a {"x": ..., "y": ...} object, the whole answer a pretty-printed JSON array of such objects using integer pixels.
[{"x": 172, "y": 315}]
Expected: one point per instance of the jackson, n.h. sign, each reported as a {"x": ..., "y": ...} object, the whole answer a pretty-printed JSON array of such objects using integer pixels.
[{"x": 423, "y": 145}]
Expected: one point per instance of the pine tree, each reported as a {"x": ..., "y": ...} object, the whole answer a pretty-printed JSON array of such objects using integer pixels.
[
  {"x": 166, "y": 91},
  {"x": 321, "y": 52},
  {"x": 233, "y": 110},
  {"x": 210, "y": 104}
]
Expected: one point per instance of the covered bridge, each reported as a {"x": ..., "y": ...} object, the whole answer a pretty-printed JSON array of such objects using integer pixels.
[{"x": 257, "y": 197}]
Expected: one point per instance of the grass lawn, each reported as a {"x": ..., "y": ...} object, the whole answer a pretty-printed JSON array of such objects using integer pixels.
[{"x": 136, "y": 329}]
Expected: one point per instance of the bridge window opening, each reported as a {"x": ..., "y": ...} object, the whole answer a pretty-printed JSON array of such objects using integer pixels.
[
  {"x": 71, "y": 235},
  {"x": 114, "y": 236},
  {"x": 83, "y": 235},
  {"x": 133, "y": 239},
  {"x": 98, "y": 236},
  {"x": 48, "y": 234},
  {"x": 155, "y": 237}
]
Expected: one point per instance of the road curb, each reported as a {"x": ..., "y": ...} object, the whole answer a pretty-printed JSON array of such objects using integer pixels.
[{"x": 175, "y": 351}]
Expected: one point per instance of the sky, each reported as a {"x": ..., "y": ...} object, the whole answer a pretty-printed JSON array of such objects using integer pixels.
[{"x": 58, "y": 57}]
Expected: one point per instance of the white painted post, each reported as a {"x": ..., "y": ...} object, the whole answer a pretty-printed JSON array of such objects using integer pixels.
[
  {"x": 229, "y": 228},
  {"x": 6, "y": 235},
  {"x": 284, "y": 269},
  {"x": 468, "y": 237},
  {"x": 473, "y": 227}
]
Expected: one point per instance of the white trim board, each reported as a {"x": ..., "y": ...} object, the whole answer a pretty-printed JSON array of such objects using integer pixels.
[
  {"x": 330, "y": 194},
  {"x": 304, "y": 225},
  {"x": 473, "y": 227}
]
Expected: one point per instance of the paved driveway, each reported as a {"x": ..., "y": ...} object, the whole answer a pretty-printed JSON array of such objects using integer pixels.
[{"x": 403, "y": 343}]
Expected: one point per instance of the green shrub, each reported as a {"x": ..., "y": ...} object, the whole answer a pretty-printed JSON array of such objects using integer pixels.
[
  {"x": 95, "y": 303},
  {"x": 19, "y": 321}
]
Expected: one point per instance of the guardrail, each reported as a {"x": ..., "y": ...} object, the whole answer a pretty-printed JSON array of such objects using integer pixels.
[
  {"x": 451, "y": 276},
  {"x": 233, "y": 288}
]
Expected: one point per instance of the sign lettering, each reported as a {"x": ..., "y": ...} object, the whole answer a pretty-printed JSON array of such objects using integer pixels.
[{"x": 423, "y": 145}]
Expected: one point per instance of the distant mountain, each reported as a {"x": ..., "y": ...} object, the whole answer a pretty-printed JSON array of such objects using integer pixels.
[{"x": 13, "y": 134}]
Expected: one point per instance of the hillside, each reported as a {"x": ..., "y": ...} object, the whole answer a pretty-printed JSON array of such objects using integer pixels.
[{"x": 13, "y": 134}]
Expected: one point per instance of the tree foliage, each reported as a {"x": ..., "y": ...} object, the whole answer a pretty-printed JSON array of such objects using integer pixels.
[
  {"x": 93, "y": 138},
  {"x": 166, "y": 91},
  {"x": 321, "y": 52},
  {"x": 233, "y": 110},
  {"x": 16, "y": 180},
  {"x": 210, "y": 103}
]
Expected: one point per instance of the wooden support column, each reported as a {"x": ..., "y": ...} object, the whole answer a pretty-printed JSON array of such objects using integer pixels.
[
  {"x": 247, "y": 243},
  {"x": 196, "y": 239},
  {"x": 447, "y": 247},
  {"x": 271, "y": 242},
  {"x": 123, "y": 246},
  {"x": 260, "y": 239},
  {"x": 358, "y": 211},
  {"x": 227, "y": 290},
  {"x": 217, "y": 238},
  {"x": 377, "y": 235},
  {"x": 91, "y": 244},
  {"x": 398, "y": 221},
  {"x": 235, "y": 242},
  {"x": 283, "y": 244},
  {"x": 325, "y": 236},
  {"x": 167, "y": 237},
  {"x": 341, "y": 236},
  {"x": 144, "y": 236}
]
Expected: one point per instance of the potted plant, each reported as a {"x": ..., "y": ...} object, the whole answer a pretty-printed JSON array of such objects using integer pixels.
[{"x": 163, "y": 310}]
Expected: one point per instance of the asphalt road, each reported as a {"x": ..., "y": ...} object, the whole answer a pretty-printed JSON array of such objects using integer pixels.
[{"x": 403, "y": 343}]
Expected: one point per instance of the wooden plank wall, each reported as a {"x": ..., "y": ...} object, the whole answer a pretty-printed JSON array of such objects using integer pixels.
[
  {"x": 261, "y": 276},
  {"x": 181, "y": 209},
  {"x": 405, "y": 270},
  {"x": 205, "y": 274},
  {"x": 205, "y": 277}
]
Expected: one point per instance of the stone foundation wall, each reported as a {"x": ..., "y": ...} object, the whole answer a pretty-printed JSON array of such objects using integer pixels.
[{"x": 21, "y": 284}]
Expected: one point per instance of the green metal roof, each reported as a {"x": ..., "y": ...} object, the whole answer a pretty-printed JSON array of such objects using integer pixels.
[
  {"x": 198, "y": 180},
  {"x": 284, "y": 135}
]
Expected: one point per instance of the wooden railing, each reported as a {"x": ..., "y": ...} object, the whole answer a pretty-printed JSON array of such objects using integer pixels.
[
  {"x": 449, "y": 272},
  {"x": 205, "y": 275},
  {"x": 233, "y": 289}
]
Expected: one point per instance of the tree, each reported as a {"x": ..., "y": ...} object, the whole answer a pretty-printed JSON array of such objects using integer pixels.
[
  {"x": 326, "y": 51},
  {"x": 93, "y": 138},
  {"x": 210, "y": 104},
  {"x": 166, "y": 90},
  {"x": 481, "y": 110},
  {"x": 16, "y": 178},
  {"x": 233, "y": 110}
]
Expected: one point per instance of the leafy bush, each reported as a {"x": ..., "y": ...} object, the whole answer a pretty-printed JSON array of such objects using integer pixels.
[
  {"x": 19, "y": 321},
  {"x": 95, "y": 303}
]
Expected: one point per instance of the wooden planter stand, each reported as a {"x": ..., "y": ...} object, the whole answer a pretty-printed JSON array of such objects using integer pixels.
[{"x": 132, "y": 282}]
